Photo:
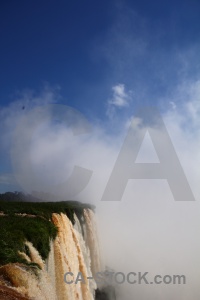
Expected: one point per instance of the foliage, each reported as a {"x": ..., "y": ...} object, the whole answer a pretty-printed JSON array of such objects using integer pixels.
[
  {"x": 35, "y": 226},
  {"x": 43, "y": 209},
  {"x": 15, "y": 230}
]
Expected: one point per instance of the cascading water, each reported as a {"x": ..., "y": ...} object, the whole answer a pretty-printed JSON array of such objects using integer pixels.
[
  {"x": 69, "y": 258},
  {"x": 71, "y": 251},
  {"x": 92, "y": 240}
]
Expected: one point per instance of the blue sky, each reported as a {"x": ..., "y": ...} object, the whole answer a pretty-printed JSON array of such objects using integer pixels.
[
  {"x": 103, "y": 58},
  {"x": 87, "y": 47},
  {"x": 106, "y": 59}
]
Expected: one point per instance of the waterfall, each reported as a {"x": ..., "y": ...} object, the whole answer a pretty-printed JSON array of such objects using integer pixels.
[
  {"x": 69, "y": 258},
  {"x": 50, "y": 266},
  {"x": 92, "y": 240},
  {"x": 86, "y": 253},
  {"x": 29, "y": 282},
  {"x": 71, "y": 251}
]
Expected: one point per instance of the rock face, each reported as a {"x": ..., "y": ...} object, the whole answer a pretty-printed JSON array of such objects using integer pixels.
[
  {"x": 9, "y": 294},
  {"x": 75, "y": 249},
  {"x": 107, "y": 293}
]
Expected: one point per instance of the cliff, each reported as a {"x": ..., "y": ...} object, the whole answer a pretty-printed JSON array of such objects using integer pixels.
[{"x": 43, "y": 246}]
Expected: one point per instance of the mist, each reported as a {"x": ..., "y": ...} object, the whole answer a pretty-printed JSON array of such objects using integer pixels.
[{"x": 147, "y": 231}]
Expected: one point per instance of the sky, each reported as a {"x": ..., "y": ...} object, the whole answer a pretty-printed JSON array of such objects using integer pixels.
[
  {"x": 87, "y": 48},
  {"x": 73, "y": 77},
  {"x": 105, "y": 60}
]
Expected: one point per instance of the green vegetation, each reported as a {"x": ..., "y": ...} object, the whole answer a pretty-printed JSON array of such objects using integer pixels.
[
  {"x": 16, "y": 230},
  {"x": 23, "y": 205},
  {"x": 35, "y": 226}
]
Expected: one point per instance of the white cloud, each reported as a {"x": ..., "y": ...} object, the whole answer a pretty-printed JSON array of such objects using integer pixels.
[
  {"x": 149, "y": 229},
  {"x": 120, "y": 99},
  {"x": 11, "y": 115}
]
